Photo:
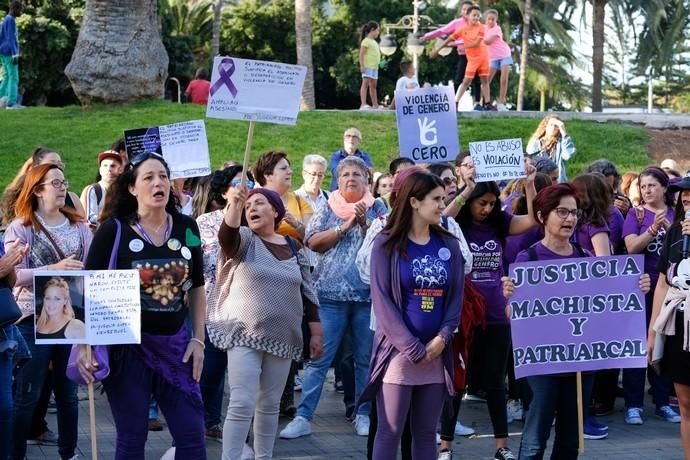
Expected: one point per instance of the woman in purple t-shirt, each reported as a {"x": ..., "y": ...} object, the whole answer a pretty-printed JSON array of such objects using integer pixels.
[
  {"x": 592, "y": 231},
  {"x": 644, "y": 231},
  {"x": 557, "y": 208},
  {"x": 416, "y": 287},
  {"x": 486, "y": 227}
]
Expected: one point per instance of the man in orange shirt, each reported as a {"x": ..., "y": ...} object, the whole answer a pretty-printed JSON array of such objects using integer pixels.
[
  {"x": 197, "y": 90},
  {"x": 477, "y": 54}
]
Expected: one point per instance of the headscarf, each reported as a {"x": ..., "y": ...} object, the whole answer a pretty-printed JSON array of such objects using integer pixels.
[{"x": 274, "y": 200}]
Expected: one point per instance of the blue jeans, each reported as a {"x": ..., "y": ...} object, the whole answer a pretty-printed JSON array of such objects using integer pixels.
[
  {"x": 336, "y": 318},
  {"x": 213, "y": 382},
  {"x": 29, "y": 384},
  {"x": 12, "y": 349},
  {"x": 553, "y": 395}
]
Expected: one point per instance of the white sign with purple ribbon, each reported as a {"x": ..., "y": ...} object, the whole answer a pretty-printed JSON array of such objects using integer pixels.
[{"x": 243, "y": 89}]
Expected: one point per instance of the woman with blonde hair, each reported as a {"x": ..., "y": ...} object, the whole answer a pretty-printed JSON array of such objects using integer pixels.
[
  {"x": 551, "y": 140},
  {"x": 57, "y": 319}
]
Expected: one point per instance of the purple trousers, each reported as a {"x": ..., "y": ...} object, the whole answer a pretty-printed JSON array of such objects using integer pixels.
[
  {"x": 424, "y": 404},
  {"x": 129, "y": 391}
]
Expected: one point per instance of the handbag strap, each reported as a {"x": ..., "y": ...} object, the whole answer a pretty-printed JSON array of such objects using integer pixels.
[
  {"x": 112, "y": 264},
  {"x": 52, "y": 241}
]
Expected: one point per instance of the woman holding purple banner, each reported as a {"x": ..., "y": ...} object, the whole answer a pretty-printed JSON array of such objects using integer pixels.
[{"x": 557, "y": 209}]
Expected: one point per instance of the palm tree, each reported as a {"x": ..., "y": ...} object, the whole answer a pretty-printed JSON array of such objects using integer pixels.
[
  {"x": 118, "y": 57},
  {"x": 304, "y": 55},
  {"x": 215, "y": 40},
  {"x": 526, "y": 20},
  {"x": 598, "y": 38}
]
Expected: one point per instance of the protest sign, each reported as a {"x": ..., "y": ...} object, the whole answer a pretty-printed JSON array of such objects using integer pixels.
[
  {"x": 95, "y": 307},
  {"x": 183, "y": 145},
  {"x": 584, "y": 314},
  {"x": 243, "y": 89},
  {"x": 427, "y": 124},
  {"x": 498, "y": 160}
]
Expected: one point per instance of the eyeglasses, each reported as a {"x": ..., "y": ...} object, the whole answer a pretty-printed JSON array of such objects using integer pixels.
[
  {"x": 563, "y": 213},
  {"x": 467, "y": 164},
  {"x": 236, "y": 182},
  {"x": 315, "y": 174},
  {"x": 138, "y": 159},
  {"x": 448, "y": 181},
  {"x": 57, "y": 183}
]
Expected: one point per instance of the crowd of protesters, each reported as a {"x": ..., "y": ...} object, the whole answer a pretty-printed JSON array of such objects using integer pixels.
[{"x": 397, "y": 279}]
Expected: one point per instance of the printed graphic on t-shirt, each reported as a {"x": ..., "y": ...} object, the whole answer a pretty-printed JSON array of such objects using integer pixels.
[
  {"x": 487, "y": 256},
  {"x": 163, "y": 283},
  {"x": 430, "y": 275},
  {"x": 657, "y": 243}
]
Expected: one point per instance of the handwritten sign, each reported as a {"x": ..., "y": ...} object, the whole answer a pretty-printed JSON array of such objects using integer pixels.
[
  {"x": 243, "y": 89},
  {"x": 498, "y": 160},
  {"x": 582, "y": 314},
  {"x": 96, "y": 307},
  {"x": 427, "y": 124},
  {"x": 183, "y": 145}
]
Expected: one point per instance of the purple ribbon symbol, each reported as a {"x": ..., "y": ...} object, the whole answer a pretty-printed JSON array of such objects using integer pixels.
[{"x": 225, "y": 70}]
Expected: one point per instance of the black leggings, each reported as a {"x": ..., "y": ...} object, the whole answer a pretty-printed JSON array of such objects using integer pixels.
[
  {"x": 492, "y": 351},
  {"x": 448, "y": 422},
  {"x": 475, "y": 87}
]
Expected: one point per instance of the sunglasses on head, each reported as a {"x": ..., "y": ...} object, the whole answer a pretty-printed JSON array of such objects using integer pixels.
[
  {"x": 236, "y": 182},
  {"x": 138, "y": 159}
]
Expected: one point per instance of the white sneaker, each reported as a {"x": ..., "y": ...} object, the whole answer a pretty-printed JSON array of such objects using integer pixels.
[
  {"x": 365, "y": 107},
  {"x": 298, "y": 427},
  {"x": 298, "y": 383},
  {"x": 362, "y": 425},
  {"x": 445, "y": 455},
  {"x": 502, "y": 108},
  {"x": 3, "y": 102},
  {"x": 514, "y": 408},
  {"x": 462, "y": 430},
  {"x": 247, "y": 452}
]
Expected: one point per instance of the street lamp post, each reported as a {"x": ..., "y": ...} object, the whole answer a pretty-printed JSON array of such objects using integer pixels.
[{"x": 415, "y": 45}]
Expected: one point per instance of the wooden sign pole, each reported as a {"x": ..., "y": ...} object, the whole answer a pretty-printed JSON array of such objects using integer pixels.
[
  {"x": 580, "y": 416},
  {"x": 247, "y": 152},
  {"x": 92, "y": 410}
]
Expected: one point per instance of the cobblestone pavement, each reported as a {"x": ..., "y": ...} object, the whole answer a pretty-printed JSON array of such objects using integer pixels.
[{"x": 334, "y": 438}]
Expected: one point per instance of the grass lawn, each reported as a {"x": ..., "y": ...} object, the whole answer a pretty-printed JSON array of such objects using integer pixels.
[{"x": 80, "y": 135}]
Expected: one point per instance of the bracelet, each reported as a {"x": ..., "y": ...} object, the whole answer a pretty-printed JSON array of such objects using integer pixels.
[
  {"x": 338, "y": 231},
  {"x": 460, "y": 201},
  {"x": 200, "y": 342},
  {"x": 649, "y": 230}
]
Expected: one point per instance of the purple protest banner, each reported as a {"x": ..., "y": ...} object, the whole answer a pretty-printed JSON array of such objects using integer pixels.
[
  {"x": 585, "y": 314},
  {"x": 427, "y": 124}
]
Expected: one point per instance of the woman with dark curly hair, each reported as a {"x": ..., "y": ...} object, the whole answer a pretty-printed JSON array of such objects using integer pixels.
[{"x": 165, "y": 247}]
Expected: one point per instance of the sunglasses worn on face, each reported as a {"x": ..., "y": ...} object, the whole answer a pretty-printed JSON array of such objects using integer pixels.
[
  {"x": 138, "y": 159},
  {"x": 314, "y": 174},
  {"x": 236, "y": 182}
]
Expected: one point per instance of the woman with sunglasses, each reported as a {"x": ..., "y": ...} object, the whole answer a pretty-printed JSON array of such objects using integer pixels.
[
  {"x": 165, "y": 247},
  {"x": 56, "y": 239},
  {"x": 557, "y": 209},
  {"x": 215, "y": 359}
]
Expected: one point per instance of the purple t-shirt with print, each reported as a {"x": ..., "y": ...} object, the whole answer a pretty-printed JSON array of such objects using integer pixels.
[
  {"x": 516, "y": 243},
  {"x": 424, "y": 280},
  {"x": 652, "y": 253},
  {"x": 487, "y": 266}
]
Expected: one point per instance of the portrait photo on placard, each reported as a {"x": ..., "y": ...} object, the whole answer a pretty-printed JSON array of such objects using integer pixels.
[{"x": 59, "y": 307}]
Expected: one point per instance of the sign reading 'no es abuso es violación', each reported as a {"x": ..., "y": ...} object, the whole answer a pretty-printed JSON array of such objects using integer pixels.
[
  {"x": 243, "y": 89},
  {"x": 581, "y": 314},
  {"x": 501, "y": 159},
  {"x": 427, "y": 124}
]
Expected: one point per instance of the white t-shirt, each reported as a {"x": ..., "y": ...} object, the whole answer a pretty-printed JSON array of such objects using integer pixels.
[{"x": 406, "y": 83}]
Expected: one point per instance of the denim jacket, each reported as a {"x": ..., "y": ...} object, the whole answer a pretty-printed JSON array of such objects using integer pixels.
[{"x": 13, "y": 346}]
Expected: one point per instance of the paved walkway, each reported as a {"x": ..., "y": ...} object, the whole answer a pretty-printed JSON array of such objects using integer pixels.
[{"x": 334, "y": 437}]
